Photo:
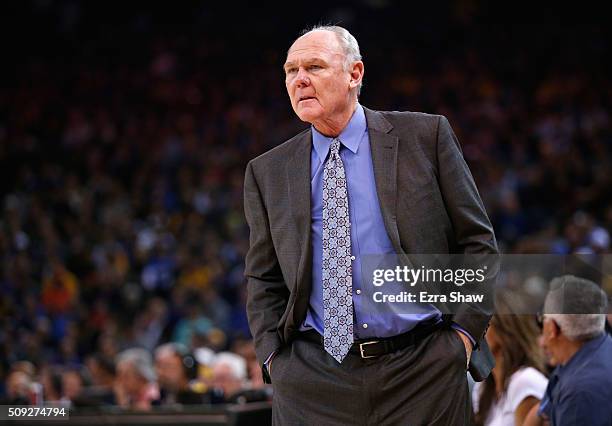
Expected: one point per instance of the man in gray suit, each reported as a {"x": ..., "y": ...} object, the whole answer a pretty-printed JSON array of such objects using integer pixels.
[{"x": 358, "y": 182}]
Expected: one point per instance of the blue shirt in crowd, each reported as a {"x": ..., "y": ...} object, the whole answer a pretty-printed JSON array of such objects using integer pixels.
[{"x": 580, "y": 392}]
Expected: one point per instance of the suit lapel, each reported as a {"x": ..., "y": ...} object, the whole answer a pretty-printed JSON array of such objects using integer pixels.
[
  {"x": 384, "y": 158},
  {"x": 298, "y": 177}
]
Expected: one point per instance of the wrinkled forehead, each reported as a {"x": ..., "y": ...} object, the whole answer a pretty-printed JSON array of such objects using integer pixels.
[{"x": 316, "y": 44}]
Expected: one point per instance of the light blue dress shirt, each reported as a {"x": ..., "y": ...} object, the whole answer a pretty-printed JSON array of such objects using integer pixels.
[{"x": 368, "y": 233}]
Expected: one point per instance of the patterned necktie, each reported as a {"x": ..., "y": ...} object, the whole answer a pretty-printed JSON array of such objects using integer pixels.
[{"x": 337, "y": 273}]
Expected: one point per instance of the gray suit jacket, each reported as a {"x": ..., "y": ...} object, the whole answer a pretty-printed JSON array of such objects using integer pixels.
[{"x": 428, "y": 199}]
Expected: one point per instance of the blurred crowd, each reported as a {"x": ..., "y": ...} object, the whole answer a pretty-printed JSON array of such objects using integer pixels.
[
  {"x": 139, "y": 379},
  {"x": 123, "y": 152}
]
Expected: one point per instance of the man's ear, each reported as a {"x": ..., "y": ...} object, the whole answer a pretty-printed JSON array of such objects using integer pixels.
[
  {"x": 556, "y": 330},
  {"x": 357, "y": 71}
]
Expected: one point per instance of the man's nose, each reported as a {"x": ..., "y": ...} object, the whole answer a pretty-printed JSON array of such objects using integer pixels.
[{"x": 301, "y": 79}]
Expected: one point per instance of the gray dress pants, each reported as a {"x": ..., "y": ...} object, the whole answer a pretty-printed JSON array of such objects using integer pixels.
[{"x": 423, "y": 384}]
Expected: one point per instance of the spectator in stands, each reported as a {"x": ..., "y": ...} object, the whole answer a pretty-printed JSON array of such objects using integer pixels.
[
  {"x": 72, "y": 384},
  {"x": 176, "y": 368},
  {"x": 135, "y": 386},
  {"x": 246, "y": 349},
  {"x": 18, "y": 386},
  {"x": 516, "y": 383},
  {"x": 229, "y": 374},
  {"x": 102, "y": 371},
  {"x": 229, "y": 381},
  {"x": 580, "y": 388},
  {"x": 51, "y": 380}
]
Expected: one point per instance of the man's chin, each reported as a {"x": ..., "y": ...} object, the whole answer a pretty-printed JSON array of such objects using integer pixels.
[
  {"x": 550, "y": 360},
  {"x": 308, "y": 115}
]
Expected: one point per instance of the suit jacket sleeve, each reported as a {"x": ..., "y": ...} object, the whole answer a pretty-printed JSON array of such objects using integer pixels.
[
  {"x": 473, "y": 230},
  {"x": 267, "y": 293}
]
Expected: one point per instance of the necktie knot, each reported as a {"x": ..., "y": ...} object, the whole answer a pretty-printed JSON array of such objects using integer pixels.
[{"x": 335, "y": 147}]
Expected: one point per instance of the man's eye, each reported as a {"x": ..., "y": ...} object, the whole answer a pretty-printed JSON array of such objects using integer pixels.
[
  {"x": 290, "y": 70},
  {"x": 315, "y": 67}
]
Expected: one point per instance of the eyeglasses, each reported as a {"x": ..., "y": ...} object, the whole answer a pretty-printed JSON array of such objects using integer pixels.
[{"x": 540, "y": 319}]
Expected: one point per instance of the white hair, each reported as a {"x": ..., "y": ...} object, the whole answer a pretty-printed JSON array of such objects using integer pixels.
[
  {"x": 348, "y": 43},
  {"x": 140, "y": 360},
  {"x": 578, "y": 306},
  {"x": 235, "y": 362}
]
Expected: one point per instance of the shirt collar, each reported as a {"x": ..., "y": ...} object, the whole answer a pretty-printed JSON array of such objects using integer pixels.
[
  {"x": 584, "y": 352},
  {"x": 350, "y": 137}
]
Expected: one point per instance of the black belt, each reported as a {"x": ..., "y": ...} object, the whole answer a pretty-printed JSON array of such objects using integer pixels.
[{"x": 371, "y": 348}]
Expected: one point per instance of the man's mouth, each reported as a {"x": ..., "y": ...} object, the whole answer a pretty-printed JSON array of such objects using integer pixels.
[{"x": 305, "y": 98}]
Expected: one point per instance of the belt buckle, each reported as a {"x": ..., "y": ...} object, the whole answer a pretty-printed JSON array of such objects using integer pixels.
[{"x": 361, "y": 345}]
